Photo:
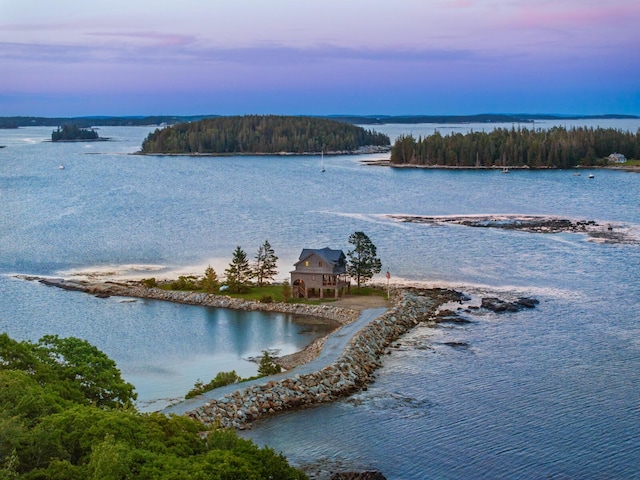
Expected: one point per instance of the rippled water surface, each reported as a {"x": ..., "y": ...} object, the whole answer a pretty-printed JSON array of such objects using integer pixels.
[{"x": 550, "y": 392}]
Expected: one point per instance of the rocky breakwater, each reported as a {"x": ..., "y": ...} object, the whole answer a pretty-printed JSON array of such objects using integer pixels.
[
  {"x": 349, "y": 373},
  {"x": 340, "y": 316}
]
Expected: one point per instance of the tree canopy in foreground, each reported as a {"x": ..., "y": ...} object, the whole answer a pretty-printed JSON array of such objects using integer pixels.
[
  {"x": 556, "y": 147},
  {"x": 66, "y": 413},
  {"x": 261, "y": 134}
]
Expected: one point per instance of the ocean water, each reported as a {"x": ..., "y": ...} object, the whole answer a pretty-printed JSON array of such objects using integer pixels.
[{"x": 545, "y": 393}]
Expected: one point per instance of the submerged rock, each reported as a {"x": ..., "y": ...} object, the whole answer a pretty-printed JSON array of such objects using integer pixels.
[
  {"x": 497, "y": 305},
  {"x": 367, "y": 475}
]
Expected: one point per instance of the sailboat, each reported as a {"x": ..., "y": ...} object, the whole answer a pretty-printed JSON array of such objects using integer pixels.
[{"x": 322, "y": 161}]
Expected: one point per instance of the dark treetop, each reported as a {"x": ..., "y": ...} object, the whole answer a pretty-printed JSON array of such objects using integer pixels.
[
  {"x": 261, "y": 134},
  {"x": 70, "y": 133}
]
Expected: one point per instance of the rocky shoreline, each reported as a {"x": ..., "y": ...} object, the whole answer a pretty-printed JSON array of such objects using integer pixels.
[
  {"x": 608, "y": 233},
  {"x": 335, "y": 315},
  {"x": 351, "y": 372}
]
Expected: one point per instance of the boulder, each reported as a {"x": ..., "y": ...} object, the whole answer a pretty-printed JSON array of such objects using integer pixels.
[{"x": 366, "y": 475}]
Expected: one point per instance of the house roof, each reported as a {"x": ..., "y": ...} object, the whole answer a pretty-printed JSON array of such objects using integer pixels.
[{"x": 333, "y": 257}]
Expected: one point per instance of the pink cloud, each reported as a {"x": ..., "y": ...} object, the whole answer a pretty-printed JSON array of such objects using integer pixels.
[{"x": 558, "y": 15}]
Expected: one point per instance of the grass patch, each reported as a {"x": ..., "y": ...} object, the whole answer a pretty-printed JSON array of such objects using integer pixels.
[{"x": 274, "y": 293}]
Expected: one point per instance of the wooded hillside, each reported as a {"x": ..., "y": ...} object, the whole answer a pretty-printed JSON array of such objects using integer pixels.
[
  {"x": 557, "y": 147},
  {"x": 261, "y": 134}
]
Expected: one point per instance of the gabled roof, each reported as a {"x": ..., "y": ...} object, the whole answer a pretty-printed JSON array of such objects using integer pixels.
[{"x": 333, "y": 257}]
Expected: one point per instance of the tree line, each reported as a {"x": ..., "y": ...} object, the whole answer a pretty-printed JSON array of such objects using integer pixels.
[
  {"x": 557, "y": 147},
  {"x": 260, "y": 134},
  {"x": 241, "y": 274}
]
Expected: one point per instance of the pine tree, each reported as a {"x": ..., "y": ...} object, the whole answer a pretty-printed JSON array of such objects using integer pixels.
[
  {"x": 239, "y": 272},
  {"x": 363, "y": 263},
  {"x": 209, "y": 283},
  {"x": 267, "y": 365},
  {"x": 264, "y": 268}
]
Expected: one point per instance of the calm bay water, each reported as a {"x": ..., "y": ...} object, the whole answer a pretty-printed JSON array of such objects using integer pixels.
[{"x": 550, "y": 392}]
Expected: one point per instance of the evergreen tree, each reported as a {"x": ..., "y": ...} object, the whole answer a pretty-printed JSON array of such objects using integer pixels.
[
  {"x": 209, "y": 283},
  {"x": 363, "y": 262},
  {"x": 264, "y": 268},
  {"x": 239, "y": 272},
  {"x": 267, "y": 365}
]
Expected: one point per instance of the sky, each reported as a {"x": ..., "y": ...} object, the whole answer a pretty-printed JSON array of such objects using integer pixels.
[{"x": 360, "y": 57}]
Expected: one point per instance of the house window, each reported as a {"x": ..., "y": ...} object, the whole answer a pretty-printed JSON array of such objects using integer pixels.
[
  {"x": 320, "y": 264},
  {"x": 306, "y": 264}
]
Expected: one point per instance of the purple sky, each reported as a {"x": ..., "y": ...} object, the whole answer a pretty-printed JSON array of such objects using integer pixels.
[{"x": 138, "y": 57}]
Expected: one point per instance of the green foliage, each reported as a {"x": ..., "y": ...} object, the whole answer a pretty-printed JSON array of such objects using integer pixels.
[
  {"x": 73, "y": 132},
  {"x": 239, "y": 273},
  {"x": 209, "y": 283},
  {"x": 363, "y": 262},
  {"x": 286, "y": 290},
  {"x": 221, "y": 379},
  {"x": 149, "y": 282},
  {"x": 266, "y": 299},
  {"x": 47, "y": 431},
  {"x": 73, "y": 368},
  {"x": 264, "y": 268},
  {"x": 261, "y": 134},
  {"x": 267, "y": 365},
  {"x": 557, "y": 147},
  {"x": 187, "y": 283}
]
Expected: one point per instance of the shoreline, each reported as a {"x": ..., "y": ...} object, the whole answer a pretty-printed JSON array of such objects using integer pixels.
[
  {"x": 387, "y": 163},
  {"x": 329, "y": 368},
  {"x": 610, "y": 233},
  {"x": 366, "y": 150}
]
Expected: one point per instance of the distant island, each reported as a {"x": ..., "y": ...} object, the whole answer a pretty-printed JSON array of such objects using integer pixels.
[
  {"x": 73, "y": 133},
  {"x": 479, "y": 118},
  {"x": 135, "y": 121},
  {"x": 521, "y": 147},
  {"x": 263, "y": 134}
]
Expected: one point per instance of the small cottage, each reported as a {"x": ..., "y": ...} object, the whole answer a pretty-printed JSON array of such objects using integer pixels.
[
  {"x": 320, "y": 272},
  {"x": 617, "y": 158}
]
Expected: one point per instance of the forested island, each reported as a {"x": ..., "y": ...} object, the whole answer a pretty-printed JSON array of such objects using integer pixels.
[
  {"x": 557, "y": 147},
  {"x": 265, "y": 134},
  {"x": 73, "y": 133}
]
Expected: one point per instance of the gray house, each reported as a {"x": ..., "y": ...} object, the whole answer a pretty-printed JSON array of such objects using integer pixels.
[
  {"x": 320, "y": 272},
  {"x": 617, "y": 158}
]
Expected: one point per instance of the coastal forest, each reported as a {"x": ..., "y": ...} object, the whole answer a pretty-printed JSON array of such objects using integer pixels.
[
  {"x": 557, "y": 147},
  {"x": 67, "y": 413},
  {"x": 269, "y": 134}
]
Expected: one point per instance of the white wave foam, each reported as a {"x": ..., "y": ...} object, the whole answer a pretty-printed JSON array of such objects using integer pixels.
[
  {"x": 113, "y": 272},
  {"x": 479, "y": 289}
]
